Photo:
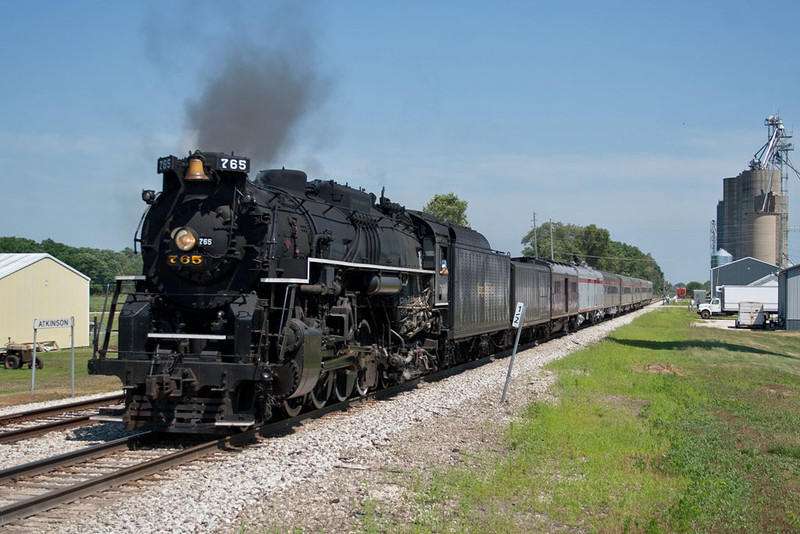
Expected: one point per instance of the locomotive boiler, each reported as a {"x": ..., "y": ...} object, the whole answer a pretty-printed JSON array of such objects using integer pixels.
[{"x": 267, "y": 295}]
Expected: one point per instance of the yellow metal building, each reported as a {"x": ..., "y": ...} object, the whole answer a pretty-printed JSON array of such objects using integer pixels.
[{"x": 38, "y": 286}]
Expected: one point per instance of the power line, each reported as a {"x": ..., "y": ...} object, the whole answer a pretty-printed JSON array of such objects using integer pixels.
[{"x": 604, "y": 257}]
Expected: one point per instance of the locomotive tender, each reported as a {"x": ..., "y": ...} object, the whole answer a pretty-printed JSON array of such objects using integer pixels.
[{"x": 282, "y": 292}]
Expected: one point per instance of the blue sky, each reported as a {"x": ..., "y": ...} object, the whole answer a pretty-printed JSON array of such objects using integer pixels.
[{"x": 626, "y": 115}]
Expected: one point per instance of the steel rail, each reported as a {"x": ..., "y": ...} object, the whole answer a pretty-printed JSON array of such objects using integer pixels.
[
  {"x": 54, "y": 498},
  {"x": 10, "y": 436},
  {"x": 60, "y": 408},
  {"x": 46, "y": 501},
  {"x": 68, "y": 458}
]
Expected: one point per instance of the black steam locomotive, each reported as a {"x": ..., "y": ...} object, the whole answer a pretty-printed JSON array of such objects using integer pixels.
[{"x": 281, "y": 292}]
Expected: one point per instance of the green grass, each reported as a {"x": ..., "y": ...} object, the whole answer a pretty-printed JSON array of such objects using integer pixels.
[
  {"x": 96, "y": 302},
  {"x": 663, "y": 427},
  {"x": 53, "y": 381},
  {"x": 101, "y": 314}
]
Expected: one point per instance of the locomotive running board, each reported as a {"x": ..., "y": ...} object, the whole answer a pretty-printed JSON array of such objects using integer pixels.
[
  {"x": 156, "y": 335},
  {"x": 371, "y": 266}
]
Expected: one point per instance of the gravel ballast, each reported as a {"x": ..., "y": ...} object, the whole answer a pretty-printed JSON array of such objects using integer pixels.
[{"x": 318, "y": 476}]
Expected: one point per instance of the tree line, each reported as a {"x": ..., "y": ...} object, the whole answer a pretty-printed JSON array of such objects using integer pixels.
[
  {"x": 570, "y": 242},
  {"x": 594, "y": 246},
  {"x": 101, "y": 265}
]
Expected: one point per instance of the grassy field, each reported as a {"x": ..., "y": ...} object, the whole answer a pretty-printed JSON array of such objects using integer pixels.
[
  {"x": 663, "y": 427},
  {"x": 53, "y": 381},
  {"x": 96, "y": 302}
]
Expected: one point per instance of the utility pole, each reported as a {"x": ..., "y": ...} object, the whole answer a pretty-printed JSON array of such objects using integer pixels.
[
  {"x": 713, "y": 241},
  {"x": 535, "y": 239},
  {"x": 551, "y": 240}
]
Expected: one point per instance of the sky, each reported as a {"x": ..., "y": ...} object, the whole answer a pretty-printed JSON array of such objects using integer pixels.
[{"x": 623, "y": 114}]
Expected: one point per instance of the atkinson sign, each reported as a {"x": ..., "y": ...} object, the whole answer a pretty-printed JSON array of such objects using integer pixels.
[{"x": 38, "y": 324}]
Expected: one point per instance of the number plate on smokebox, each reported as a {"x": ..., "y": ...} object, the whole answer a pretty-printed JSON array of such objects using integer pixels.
[
  {"x": 185, "y": 259},
  {"x": 232, "y": 163}
]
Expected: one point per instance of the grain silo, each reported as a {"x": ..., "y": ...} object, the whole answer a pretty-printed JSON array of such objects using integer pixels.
[
  {"x": 721, "y": 257},
  {"x": 753, "y": 213},
  {"x": 761, "y": 241}
]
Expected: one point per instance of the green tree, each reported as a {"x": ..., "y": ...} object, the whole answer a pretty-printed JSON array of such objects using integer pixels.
[
  {"x": 131, "y": 262},
  {"x": 594, "y": 246},
  {"x": 566, "y": 239},
  {"x": 102, "y": 266},
  {"x": 448, "y": 208},
  {"x": 19, "y": 244},
  {"x": 594, "y": 242},
  {"x": 691, "y": 286}
]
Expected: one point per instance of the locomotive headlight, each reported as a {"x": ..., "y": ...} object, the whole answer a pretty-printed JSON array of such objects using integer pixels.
[{"x": 184, "y": 238}]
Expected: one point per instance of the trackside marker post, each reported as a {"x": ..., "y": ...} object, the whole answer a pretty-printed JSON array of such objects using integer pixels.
[{"x": 519, "y": 318}]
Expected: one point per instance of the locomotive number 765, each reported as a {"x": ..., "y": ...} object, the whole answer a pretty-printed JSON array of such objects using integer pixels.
[
  {"x": 185, "y": 259},
  {"x": 234, "y": 164}
]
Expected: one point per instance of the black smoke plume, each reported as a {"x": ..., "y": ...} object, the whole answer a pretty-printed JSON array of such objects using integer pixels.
[
  {"x": 253, "y": 104},
  {"x": 247, "y": 73}
]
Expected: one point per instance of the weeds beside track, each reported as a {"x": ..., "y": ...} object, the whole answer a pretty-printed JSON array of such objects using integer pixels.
[{"x": 661, "y": 427}]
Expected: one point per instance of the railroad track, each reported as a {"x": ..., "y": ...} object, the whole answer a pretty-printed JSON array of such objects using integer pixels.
[
  {"x": 58, "y": 480},
  {"x": 28, "y": 510},
  {"x": 48, "y": 483},
  {"x": 32, "y": 423},
  {"x": 54, "y": 481},
  {"x": 32, "y": 488}
]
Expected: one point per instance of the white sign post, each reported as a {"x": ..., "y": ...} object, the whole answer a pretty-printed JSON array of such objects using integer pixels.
[
  {"x": 53, "y": 323},
  {"x": 519, "y": 318}
]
